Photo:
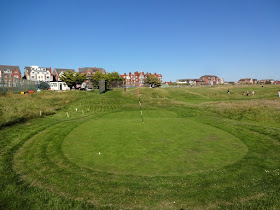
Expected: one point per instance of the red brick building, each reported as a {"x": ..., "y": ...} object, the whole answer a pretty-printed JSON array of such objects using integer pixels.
[
  {"x": 89, "y": 71},
  {"x": 59, "y": 72},
  {"x": 137, "y": 79},
  {"x": 9, "y": 72},
  {"x": 248, "y": 81},
  {"x": 212, "y": 80}
]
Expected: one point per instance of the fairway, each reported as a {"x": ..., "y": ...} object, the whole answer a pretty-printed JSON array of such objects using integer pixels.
[{"x": 162, "y": 146}]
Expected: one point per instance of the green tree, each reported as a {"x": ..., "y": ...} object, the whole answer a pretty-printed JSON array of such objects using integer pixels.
[
  {"x": 114, "y": 77},
  {"x": 96, "y": 77},
  {"x": 72, "y": 78},
  {"x": 152, "y": 81}
]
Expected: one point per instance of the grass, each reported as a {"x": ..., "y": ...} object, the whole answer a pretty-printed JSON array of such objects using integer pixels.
[
  {"x": 160, "y": 146},
  {"x": 46, "y": 162},
  {"x": 19, "y": 108}
]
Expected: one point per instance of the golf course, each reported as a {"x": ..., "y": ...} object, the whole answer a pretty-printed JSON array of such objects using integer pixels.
[{"x": 192, "y": 148}]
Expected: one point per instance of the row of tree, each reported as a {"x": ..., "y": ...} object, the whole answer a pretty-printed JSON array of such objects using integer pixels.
[{"x": 72, "y": 79}]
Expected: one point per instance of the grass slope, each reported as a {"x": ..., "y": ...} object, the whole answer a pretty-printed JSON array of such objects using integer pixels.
[{"x": 37, "y": 172}]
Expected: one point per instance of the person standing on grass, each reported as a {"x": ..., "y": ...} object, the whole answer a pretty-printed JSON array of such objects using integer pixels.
[
  {"x": 228, "y": 92},
  {"x": 253, "y": 93},
  {"x": 279, "y": 93}
]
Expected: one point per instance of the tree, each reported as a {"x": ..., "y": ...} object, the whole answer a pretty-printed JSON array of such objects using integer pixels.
[
  {"x": 114, "y": 77},
  {"x": 72, "y": 78},
  {"x": 152, "y": 81},
  {"x": 95, "y": 78}
]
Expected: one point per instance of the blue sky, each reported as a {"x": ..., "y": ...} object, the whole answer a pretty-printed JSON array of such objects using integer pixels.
[{"x": 180, "y": 39}]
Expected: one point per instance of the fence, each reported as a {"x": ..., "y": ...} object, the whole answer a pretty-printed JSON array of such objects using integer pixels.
[{"x": 10, "y": 84}]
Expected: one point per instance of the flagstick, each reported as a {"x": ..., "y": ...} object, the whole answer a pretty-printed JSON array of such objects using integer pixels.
[{"x": 140, "y": 107}]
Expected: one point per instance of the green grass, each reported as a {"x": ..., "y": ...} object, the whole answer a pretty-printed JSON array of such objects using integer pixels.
[
  {"x": 162, "y": 146},
  {"x": 199, "y": 148}
]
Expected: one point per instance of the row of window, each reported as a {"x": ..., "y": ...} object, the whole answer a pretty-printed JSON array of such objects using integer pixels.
[
  {"x": 38, "y": 69},
  {"x": 40, "y": 77}
]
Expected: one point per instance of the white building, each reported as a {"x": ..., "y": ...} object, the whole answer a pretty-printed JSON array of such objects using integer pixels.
[
  {"x": 36, "y": 73},
  {"x": 59, "y": 86}
]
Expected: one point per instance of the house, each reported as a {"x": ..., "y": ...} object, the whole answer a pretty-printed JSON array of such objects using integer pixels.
[
  {"x": 248, "y": 81},
  {"x": 57, "y": 72},
  {"x": 36, "y": 73},
  {"x": 9, "y": 72},
  {"x": 57, "y": 84},
  {"x": 186, "y": 81},
  {"x": 212, "y": 80},
  {"x": 89, "y": 71},
  {"x": 267, "y": 81},
  {"x": 199, "y": 82},
  {"x": 137, "y": 79}
]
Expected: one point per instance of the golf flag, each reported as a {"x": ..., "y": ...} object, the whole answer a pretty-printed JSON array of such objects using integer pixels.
[{"x": 138, "y": 91}]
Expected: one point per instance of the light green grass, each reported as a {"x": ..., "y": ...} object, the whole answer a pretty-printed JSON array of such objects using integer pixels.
[{"x": 162, "y": 146}]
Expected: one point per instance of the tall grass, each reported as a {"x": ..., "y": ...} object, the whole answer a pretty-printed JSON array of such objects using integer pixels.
[{"x": 15, "y": 107}]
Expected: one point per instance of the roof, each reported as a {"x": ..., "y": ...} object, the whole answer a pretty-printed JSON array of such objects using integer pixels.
[
  {"x": 182, "y": 80},
  {"x": 58, "y": 71},
  {"x": 243, "y": 79},
  {"x": 208, "y": 76},
  {"x": 6, "y": 67},
  {"x": 29, "y": 68},
  {"x": 84, "y": 69}
]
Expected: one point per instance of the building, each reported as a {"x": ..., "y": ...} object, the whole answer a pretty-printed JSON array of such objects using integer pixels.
[
  {"x": 186, "y": 82},
  {"x": 203, "y": 80},
  {"x": 59, "y": 72},
  {"x": 59, "y": 86},
  {"x": 89, "y": 71},
  {"x": 247, "y": 81},
  {"x": 56, "y": 83},
  {"x": 267, "y": 81},
  {"x": 9, "y": 72},
  {"x": 212, "y": 80},
  {"x": 36, "y": 73},
  {"x": 137, "y": 79}
]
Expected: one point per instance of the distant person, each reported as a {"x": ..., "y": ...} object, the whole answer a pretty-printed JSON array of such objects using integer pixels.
[
  {"x": 247, "y": 93},
  {"x": 228, "y": 92},
  {"x": 253, "y": 93},
  {"x": 243, "y": 93},
  {"x": 279, "y": 93}
]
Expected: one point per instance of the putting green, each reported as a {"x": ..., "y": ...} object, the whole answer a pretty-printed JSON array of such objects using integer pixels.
[{"x": 162, "y": 146}]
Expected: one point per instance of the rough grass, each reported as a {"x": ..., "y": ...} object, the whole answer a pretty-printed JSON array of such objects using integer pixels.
[
  {"x": 35, "y": 173},
  {"x": 15, "y": 107}
]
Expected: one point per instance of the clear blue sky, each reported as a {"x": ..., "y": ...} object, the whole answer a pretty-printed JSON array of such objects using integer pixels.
[{"x": 180, "y": 39}]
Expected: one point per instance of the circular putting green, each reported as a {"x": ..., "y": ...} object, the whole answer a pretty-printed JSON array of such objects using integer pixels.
[{"x": 163, "y": 145}]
